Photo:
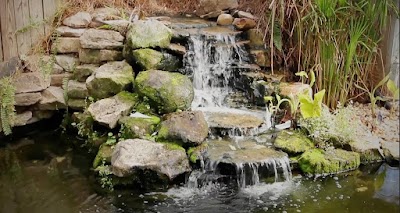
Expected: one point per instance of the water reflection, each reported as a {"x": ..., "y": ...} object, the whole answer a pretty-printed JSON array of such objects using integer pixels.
[{"x": 387, "y": 184}]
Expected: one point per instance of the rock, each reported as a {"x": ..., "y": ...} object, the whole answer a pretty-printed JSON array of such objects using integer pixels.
[
  {"x": 176, "y": 48},
  {"x": 233, "y": 119},
  {"x": 207, "y": 6},
  {"x": 21, "y": 119},
  {"x": 31, "y": 82},
  {"x": 77, "y": 89},
  {"x": 212, "y": 15},
  {"x": 110, "y": 79},
  {"x": 391, "y": 151},
  {"x": 118, "y": 25},
  {"x": 103, "y": 155},
  {"x": 101, "y": 14},
  {"x": 295, "y": 89},
  {"x": 101, "y": 39},
  {"x": 10, "y": 67},
  {"x": 261, "y": 57},
  {"x": 368, "y": 147},
  {"x": 79, "y": 20},
  {"x": 77, "y": 103},
  {"x": 149, "y": 59},
  {"x": 242, "y": 14},
  {"x": 82, "y": 72},
  {"x": 188, "y": 127},
  {"x": 57, "y": 79},
  {"x": 131, "y": 156},
  {"x": 41, "y": 63},
  {"x": 256, "y": 38},
  {"x": 65, "y": 45},
  {"x": 244, "y": 24},
  {"x": 67, "y": 62},
  {"x": 108, "y": 111},
  {"x": 40, "y": 115},
  {"x": 148, "y": 34},
  {"x": 195, "y": 153},
  {"x": 318, "y": 161},
  {"x": 139, "y": 127},
  {"x": 91, "y": 56},
  {"x": 27, "y": 99},
  {"x": 225, "y": 19},
  {"x": 293, "y": 142},
  {"x": 65, "y": 31},
  {"x": 52, "y": 99},
  {"x": 166, "y": 91}
]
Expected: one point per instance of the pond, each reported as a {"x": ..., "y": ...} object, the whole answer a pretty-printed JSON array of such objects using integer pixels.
[{"x": 41, "y": 172}]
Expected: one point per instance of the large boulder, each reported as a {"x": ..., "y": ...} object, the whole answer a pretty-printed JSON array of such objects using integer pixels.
[
  {"x": 188, "y": 127},
  {"x": 149, "y": 59},
  {"x": 368, "y": 147},
  {"x": 108, "y": 111},
  {"x": 110, "y": 79},
  {"x": 131, "y": 156},
  {"x": 139, "y": 126},
  {"x": 101, "y": 39},
  {"x": 150, "y": 33},
  {"x": 293, "y": 142},
  {"x": 209, "y": 6},
  {"x": 166, "y": 91},
  {"x": 318, "y": 161}
]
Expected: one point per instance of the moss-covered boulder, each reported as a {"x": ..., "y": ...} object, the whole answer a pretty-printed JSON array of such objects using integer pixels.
[
  {"x": 108, "y": 111},
  {"x": 368, "y": 147},
  {"x": 318, "y": 161},
  {"x": 293, "y": 142},
  {"x": 149, "y": 59},
  {"x": 103, "y": 155},
  {"x": 110, "y": 79},
  {"x": 145, "y": 34},
  {"x": 195, "y": 153},
  {"x": 138, "y": 127},
  {"x": 188, "y": 127},
  {"x": 166, "y": 91}
]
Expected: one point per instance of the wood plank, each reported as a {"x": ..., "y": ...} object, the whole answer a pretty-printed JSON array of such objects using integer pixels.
[
  {"x": 49, "y": 9},
  {"x": 22, "y": 24},
  {"x": 7, "y": 18},
  {"x": 1, "y": 44},
  {"x": 36, "y": 17}
]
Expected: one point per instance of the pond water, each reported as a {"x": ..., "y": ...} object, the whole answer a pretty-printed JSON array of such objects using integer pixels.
[{"x": 41, "y": 173}]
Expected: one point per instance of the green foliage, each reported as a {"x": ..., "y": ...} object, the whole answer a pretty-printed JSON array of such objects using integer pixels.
[
  {"x": 7, "y": 109},
  {"x": 310, "y": 108},
  {"x": 105, "y": 175},
  {"x": 112, "y": 139}
]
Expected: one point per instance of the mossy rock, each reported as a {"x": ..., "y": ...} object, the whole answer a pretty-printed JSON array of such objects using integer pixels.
[
  {"x": 166, "y": 91},
  {"x": 293, "y": 142},
  {"x": 195, "y": 153},
  {"x": 149, "y": 59},
  {"x": 150, "y": 33},
  {"x": 145, "y": 108},
  {"x": 318, "y": 161},
  {"x": 137, "y": 127},
  {"x": 104, "y": 154}
]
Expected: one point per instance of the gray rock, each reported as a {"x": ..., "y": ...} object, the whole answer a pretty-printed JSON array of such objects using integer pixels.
[
  {"x": 40, "y": 115},
  {"x": 149, "y": 59},
  {"x": 233, "y": 119},
  {"x": 39, "y": 63},
  {"x": 92, "y": 56},
  {"x": 189, "y": 127},
  {"x": 52, "y": 99},
  {"x": 21, "y": 119},
  {"x": 57, "y": 79},
  {"x": 82, "y": 72},
  {"x": 69, "y": 32},
  {"x": 100, "y": 14},
  {"x": 131, "y": 156},
  {"x": 225, "y": 19},
  {"x": 391, "y": 150},
  {"x": 79, "y": 20},
  {"x": 66, "y": 45},
  {"x": 110, "y": 79},
  {"x": 10, "y": 67},
  {"x": 368, "y": 147},
  {"x": 27, "y": 99},
  {"x": 176, "y": 48},
  {"x": 108, "y": 111},
  {"x": 244, "y": 24},
  {"x": 31, "y": 82},
  {"x": 242, "y": 14},
  {"x": 77, "y": 90},
  {"x": 101, "y": 39},
  {"x": 139, "y": 127},
  {"x": 207, "y": 6},
  {"x": 118, "y": 25},
  {"x": 77, "y": 104},
  {"x": 67, "y": 62},
  {"x": 145, "y": 34},
  {"x": 166, "y": 91}
]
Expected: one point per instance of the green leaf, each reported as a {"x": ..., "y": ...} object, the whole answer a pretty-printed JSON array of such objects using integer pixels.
[
  {"x": 277, "y": 38},
  {"x": 391, "y": 85},
  {"x": 312, "y": 78},
  {"x": 311, "y": 108},
  {"x": 301, "y": 74},
  {"x": 268, "y": 98}
]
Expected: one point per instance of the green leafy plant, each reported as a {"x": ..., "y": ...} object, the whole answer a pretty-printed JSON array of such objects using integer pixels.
[
  {"x": 7, "y": 101},
  {"x": 394, "y": 90},
  {"x": 112, "y": 139},
  {"x": 311, "y": 107}
]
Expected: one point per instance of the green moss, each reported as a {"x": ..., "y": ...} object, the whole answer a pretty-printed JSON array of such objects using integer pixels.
[
  {"x": 370, "y": 156},
  {"x": 103, "y": 155},
  {"x": 293, "y": 142},
  {"x": 128, "y": 97},
  {"x": 194, "y": 153},
  {"x": 172, "y": 145},
  {"x": 148, "y": 59},
  {"x": 138, "y": 127}
]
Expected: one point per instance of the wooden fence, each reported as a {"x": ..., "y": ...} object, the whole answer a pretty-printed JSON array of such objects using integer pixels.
[{"x": 22, "y": 24}]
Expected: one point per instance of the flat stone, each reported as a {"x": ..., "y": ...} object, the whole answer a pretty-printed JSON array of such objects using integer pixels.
[
  {"x": 69, "y": 32},
  {"x": 188, "y": 23},
  {"x": 224, "y": 19},
  {"x": 147, "y": 34},
  {"x": 21, "y": 119},
  {"x": 131, "y": 156},
  {"x": 176, "y": 48},
  {"x": 52, "y": 99},
  {"x": 391, "y": 150},
  {"x": 242, "y": 14},
  {"x": 31, "y": 82},
  {"x": 244, "y": 24},
  {"x": 368, "y": 147},
  {"x": 82, "y": 72},
  {"x": 108, "y": 111},
  {"x": 118, "y": 25},
  {"x": 139, "y": 126},
  {"x": 295, "y": 89},
  {"x": 101, "y": 39},
  {"x": 67, "y": 62},
  {"x": 101, "y": 14},
  {"x": 66, "y": 45},
  {"x": 207, "y": 6},
  {"x": 10, "y": 67},
  {"x": 27, "y": 99},
  {"x": 92, "y": 56},
  {"x": 77, "y": 89},
  {"x": 213, "y": 14},
  {"x": 232, "y": 118},
  {"x": 57, "y": 79},
  {"x": 77, "y": 104},
  {"x": 79, "y": 20},
  {"x": 37, "y": 63}
]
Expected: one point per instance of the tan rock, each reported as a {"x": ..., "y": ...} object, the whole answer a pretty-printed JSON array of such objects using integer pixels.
[
  {"x": 57, "y": 79},
  {"x": 22, "y": 119},
  {"x": 224, "y": 19},
  {"x": 261, "y": 57},
  {"x": 79, "y": 20},
  {"x": 31, "y": 82},
  {"x": 66, "y": 45},
  {"x": 93, "y": 56},
  {"x": 69, "y": 32},
  {"x": 244, "y": 24},
  {"x": 27, "y": 99},
  {"x": 101, "y": 39},
  {"x": 67, "y": 62},
  {"x": 52, "y": 99}
]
